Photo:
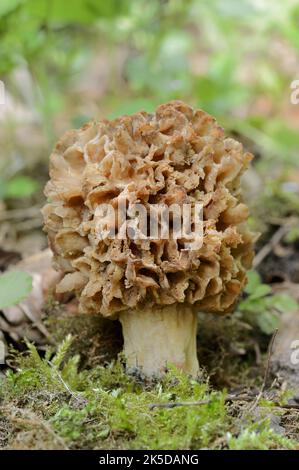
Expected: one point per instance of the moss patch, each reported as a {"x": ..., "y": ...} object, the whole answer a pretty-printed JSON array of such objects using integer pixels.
[{"x": 49, "y": 403}]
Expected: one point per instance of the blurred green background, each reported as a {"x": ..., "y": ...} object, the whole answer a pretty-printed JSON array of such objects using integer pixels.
[{"x": 64, "y": 63}]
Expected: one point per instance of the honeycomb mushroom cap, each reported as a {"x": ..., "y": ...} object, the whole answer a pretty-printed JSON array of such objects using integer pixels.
[{"x": 176, "y": 154}]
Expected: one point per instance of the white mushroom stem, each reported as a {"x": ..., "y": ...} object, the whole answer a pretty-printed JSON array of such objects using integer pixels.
[{"x": 158, "y": 337}]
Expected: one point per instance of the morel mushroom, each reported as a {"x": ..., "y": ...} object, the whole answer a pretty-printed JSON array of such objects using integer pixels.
[{"x": 154, "y": 286}]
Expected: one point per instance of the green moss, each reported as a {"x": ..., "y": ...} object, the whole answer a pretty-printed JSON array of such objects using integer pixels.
[
  {"x": 264, "y": 439},
  {"x": 103, "y": 408},
  {"x": 122, "y": 416}
]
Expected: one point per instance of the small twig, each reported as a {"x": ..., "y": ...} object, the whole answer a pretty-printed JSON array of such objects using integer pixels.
[
  {"x": 266, "y": 250},
  {"x": 61, "y": 380},
  {"x": 71, "y": 393},
  {"x": 175, "y": 404},
  {"x": 260, "y": 394},
  {"x": 37, "y": 323},
  {"x": 288, "y": 406},
  {"x": 241, "y": 397},
  {"x": 15, "y": 214},
  {"x": 230, "y": 398}
]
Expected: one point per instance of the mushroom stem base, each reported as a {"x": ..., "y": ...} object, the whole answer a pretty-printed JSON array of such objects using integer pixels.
[{"x": 159, "y": 337}]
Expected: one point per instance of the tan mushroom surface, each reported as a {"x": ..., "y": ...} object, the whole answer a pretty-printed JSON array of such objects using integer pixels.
[{"x": 154, "y": 286}]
